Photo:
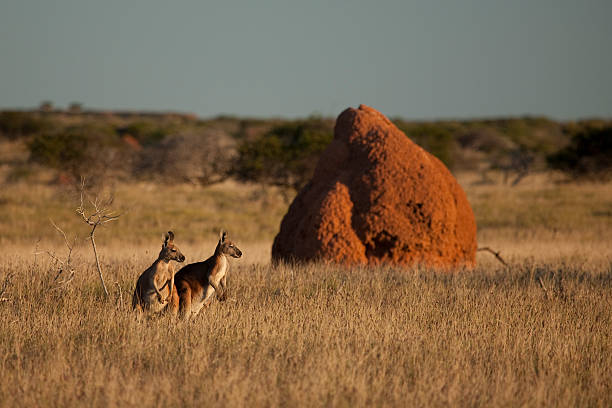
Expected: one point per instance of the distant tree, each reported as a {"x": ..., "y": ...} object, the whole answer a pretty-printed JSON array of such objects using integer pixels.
[
  {"x": 14, "y": 124},
  {"x": 79, "y": 151},
  {"x": 145, "y": 132},
  {"x": 285, "y": 156},
  {"x": 589, "y": 154},
  {"x": 436, "y": 138},
  {"x": 46, "y": 106},
  {"x": 75, "y": 107},
  {"x": 199, "y": 156}
]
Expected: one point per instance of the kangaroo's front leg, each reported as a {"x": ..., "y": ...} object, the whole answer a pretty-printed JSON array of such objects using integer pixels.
[
  {"x": 170, "y": 284},
  {"x": 212, "y": 283},
  {"x": 160, "y": 298},
  {"x": 223, "y": 282}
]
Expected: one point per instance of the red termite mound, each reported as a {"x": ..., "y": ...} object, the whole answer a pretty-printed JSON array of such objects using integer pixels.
[{"x": 376, "y": 197}]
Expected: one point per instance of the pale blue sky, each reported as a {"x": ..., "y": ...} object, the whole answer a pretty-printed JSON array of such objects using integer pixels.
[{"x": 416, "y": 59}]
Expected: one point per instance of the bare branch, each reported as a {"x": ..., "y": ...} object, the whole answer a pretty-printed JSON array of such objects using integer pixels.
[
  {"x": 64, "y": 282},
  {"x": 36, "y": 251},
  {"x": 52, "y": 256},
  {"x": 497, "y": 254},
  {"x": 70, "y": 246},
  {"x": 67, "y": 264},
  {"x": 109, "y": 218},
  {"x": 119, "y": 295},
  {"x": 99, "y": 215},
  {"x": 64, "y": 266},
  {"x": 546, "y": 292},
  {"x": 60, "y": 231}
]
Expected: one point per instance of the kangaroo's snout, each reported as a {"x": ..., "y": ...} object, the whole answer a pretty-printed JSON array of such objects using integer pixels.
[
  {"x": 181, "y": 258},
  {"x": 238, "y": 253}
]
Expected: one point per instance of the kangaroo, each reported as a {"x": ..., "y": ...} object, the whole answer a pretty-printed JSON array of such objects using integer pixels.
[
  {"x": 196, "y": 283},
  {"x": 155, "y": 285}
]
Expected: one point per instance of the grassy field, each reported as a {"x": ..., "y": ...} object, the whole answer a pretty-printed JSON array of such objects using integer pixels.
[{"x": 537, "y": 333}]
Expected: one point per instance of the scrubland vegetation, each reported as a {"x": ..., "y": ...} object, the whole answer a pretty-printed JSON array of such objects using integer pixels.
[
  {"x": 182, "y": 148},
  {"x": 535, "y": 333}
]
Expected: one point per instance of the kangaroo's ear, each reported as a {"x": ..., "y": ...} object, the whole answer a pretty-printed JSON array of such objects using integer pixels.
[
  {"x": 222, "y": 235},
  {"x": 166, "y": 238},
  {"x": 170, "y": 235}
]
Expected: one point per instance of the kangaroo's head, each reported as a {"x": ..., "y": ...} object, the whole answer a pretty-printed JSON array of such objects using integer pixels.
[
  {"x": 169, "y": 251},
  {"x": 227, "y": 247}
]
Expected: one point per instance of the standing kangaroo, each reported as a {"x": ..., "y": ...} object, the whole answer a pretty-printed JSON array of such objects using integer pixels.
[
  {"x": 196, "y": 283},
  {"x": 155, "y": 285}
]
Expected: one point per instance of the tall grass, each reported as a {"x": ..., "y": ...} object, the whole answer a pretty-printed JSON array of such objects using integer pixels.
[
  {"x": 316, "y": 335},
  {"x": 536, "y": 333}
]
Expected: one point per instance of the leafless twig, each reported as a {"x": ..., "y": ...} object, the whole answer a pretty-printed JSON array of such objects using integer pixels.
[
  {"x": 546, "y": 292},
  {"x": 36, "y": 252},
  {"x": 119, "y": 295},
  {"x": 496, "y": 253},
  {"x": 100, "y": 214},
  {"x": 66, "y": 269}
]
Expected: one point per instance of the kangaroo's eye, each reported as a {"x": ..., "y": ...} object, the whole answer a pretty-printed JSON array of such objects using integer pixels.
[{"x": 173, "y": 250}]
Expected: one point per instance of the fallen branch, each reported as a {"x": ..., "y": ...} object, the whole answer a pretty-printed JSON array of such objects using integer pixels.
[{"x": 497, "y": 254}]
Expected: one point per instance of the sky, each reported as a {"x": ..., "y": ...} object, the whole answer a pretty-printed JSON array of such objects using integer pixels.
[{"x": 428, "y": 59}]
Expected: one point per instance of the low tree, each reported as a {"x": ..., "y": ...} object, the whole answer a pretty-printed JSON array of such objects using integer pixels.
[
  {"x": 146, "y": 132},
  {"x": 587, "y": 156},
  {"x": 285, "y": 156},
  {"x": 75, "y": 107},
  {"x": 15, "y": 124},
  {"x": 436, "y": 138},
  {"x": 95, "y": 214},
  {"x": 81, "y": 151},
  {"x": 198, "y": 156},
  {"x": 46, "y": 106}
]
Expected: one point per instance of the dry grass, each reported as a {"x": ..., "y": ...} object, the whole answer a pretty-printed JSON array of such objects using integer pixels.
[
  {"x": 148, "y": 210},
  {"x": 313, "y": 335}
]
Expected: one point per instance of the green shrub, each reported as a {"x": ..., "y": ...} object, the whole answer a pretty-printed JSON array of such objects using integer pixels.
[
  {"x": 589, "y": 154},
  {"x": 58, "y": 150},
  {"x": 436, "y": 138},
  {"x": 79, "y": 150},
  {"x": 146, "y": 132},
  {"x": 285, "y": 156},
  {"x": 14, "y": 124},
  {"x": 538, "y": 136},
  {"x": 201, "y": 156}
]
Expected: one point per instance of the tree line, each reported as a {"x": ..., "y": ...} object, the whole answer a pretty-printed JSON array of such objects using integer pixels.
[{"x": 284, "y": 152}]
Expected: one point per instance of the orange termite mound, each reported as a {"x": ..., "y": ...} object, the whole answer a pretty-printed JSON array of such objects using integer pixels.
[{"x": 376, "y": 197}]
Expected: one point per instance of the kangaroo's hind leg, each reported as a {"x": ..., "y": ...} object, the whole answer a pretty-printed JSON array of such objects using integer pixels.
[
  {"x": 173, "y": 307},
  {"x": 184, "y": 302}
]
